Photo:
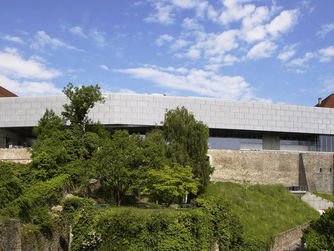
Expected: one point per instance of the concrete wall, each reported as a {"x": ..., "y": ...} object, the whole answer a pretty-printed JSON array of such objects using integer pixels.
[
  {"x": 20, "y": 155},
  {"x": 312, "y": 171}
]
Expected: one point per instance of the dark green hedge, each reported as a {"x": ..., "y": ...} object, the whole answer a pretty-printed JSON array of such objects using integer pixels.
[{"x": 158, "y": 229}]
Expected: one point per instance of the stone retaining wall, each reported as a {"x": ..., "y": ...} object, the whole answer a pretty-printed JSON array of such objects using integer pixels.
[
  {"x": 10, "y": 235},
  {"x": 19, "y": 155},
  {"x": 310, "y": 170},
  {"x": 289, "y": 238}
]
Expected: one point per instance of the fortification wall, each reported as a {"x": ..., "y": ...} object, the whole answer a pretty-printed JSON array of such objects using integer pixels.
[{"x": 312, "y": 171}]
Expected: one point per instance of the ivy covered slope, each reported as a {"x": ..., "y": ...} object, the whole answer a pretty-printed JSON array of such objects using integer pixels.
[{"x": 264, "y": 210}]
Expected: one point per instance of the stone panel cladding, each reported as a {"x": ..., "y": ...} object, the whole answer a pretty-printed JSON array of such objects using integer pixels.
[{"x": 149, "y": 110}]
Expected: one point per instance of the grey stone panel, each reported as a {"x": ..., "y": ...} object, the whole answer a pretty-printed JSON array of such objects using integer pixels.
[{"x": 138, "y": 109}]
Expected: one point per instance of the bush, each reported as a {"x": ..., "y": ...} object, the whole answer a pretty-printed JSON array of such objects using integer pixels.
[
  {"x": 42, "y": 194},
  {"x": 320, "y": 234},
  {"x": 10, "y": 185},
  {"x": 158, "y": 229},
  {"x": 227, "y": 226},
  {"x": 74, "y": 204}
]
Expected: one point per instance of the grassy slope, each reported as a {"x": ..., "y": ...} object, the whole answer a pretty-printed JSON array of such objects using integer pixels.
[
  {"x": 329, "y": 197},
  {"x": 266, "y": 210}
]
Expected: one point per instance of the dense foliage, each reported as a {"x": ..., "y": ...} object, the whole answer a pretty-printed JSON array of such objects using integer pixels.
[
  {"x": 170, "y": 184},
  {"x": 159, "y": 229},
  {"x": 320, "y": 234},
  {"x": 10, "y": 185},
  {"x": 187, "y": 143},
  {"x": 120, "y": 162},
  {"x": 82, "y": 99}
]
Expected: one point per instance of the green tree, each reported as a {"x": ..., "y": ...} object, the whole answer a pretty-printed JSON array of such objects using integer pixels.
[
  {"x": 187, "y": 143},
  {"x": 58, "y": 145},
  {"x": 320, "y": 234},
  {"x": 154, "y": 150},
  {"x": 50, "y": 141},
  {"x": 82, "y": 99},
  {"x": 120, "y": 161},
  {"x": 170, "y": 184}
]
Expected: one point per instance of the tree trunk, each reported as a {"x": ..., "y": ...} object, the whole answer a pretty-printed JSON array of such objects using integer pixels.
[{"x": 118, "y": 198}]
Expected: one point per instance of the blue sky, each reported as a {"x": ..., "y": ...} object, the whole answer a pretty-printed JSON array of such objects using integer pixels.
[{"x": 260, "y": 50}]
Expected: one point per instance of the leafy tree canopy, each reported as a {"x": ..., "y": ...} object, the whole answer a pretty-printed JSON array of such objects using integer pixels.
[
  {"x": 120, "y": 160},
  {"x": 187, "y": 143},
  {"x": 171, "y": 184},
  {"x": 82, "y": 99}
]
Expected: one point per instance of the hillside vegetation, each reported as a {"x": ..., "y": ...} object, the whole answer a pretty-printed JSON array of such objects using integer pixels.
[
  {"x": 264, "y": 210},
  {"x": 325, "y": 196}
]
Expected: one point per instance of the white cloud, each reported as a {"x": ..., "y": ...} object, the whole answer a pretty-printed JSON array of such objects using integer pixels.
[
  {"x": 99, "y": 37},
  {"x": 212, "y": 13},
  {"x": 13, "y": 39},
  {"x": 283, "y": 22},
  {"x": 42, "y": 39},
  {"x": 77, "y": 30},
  {"x": 191, "y": 24},
  {"x": 260, "y": 15},
  {"x": 193, "y": 53},
  {"x": 22, "y": 76},
  {"x": 163, "y": 38},
  {"x": 253, "y": 34},
  {"x": 287, "y": 53},
  {"x": 263, "y": 49},
  {"x": 326, "y": 54},
  {"x": 29, "y": 88},
  {"x": 164, "y": 10},
  {"x": 300, "y": 62},
  {"x": 252, "y": 25},
  {"x": 104, "y": 67},
  {"x": 235, "y": 11},
  {"x": 325, "y": 29},
  {"x": 198, "y": 81},
  {"x": 12, "y": 64},
  {"x": 179, "y": 44},
  {"x": 163, "y": 15}
]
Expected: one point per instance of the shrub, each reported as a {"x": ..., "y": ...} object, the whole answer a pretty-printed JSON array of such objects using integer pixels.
[
  {"x": 10, "y": 185},
  {"x": 42, "y": 194},
  {"x": 158, "y": 229},
  {"x": 319, "y": 235},
  {"x": 227, "y": 226}
]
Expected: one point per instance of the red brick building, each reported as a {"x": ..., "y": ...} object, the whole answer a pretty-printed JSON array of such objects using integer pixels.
[{"x": 5, "y": 93}]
